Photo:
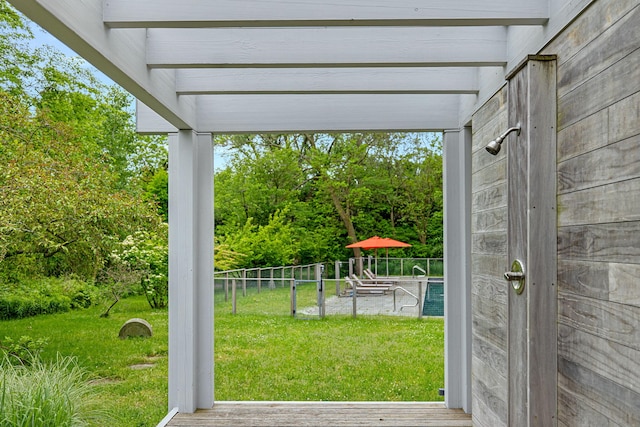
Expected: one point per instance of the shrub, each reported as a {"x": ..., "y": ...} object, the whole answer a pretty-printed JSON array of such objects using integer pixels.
[
  {"x": 19, "y": 306},
  {"x": 147, "y": 254},
  {"x": 47, "y": 394},
  {"x": 44, "y": 296},
  {"x": 24, "y": 351},
  {"x": 81, "y": 293}
]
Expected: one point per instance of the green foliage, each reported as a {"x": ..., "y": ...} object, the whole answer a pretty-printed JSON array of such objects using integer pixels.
[
  {"x": 157, "y": 191},
  {"x": 53, "y": 394},
  {"x": 25, "y": 351},
  {"x": 44, "y": 296},
  {"x": 226, "y": 258},
  {"x": 73, "y": 165},
  {"x": 147, "y": 254},
  {"x": 16, "y": 59},
  {"x": 18, "y": 306},
  {"x": 257, "y": 185},
  {"x": 333, "y": 189},
  {"x": 266, "y": 245},
  {"x": 60, "y": 208}
]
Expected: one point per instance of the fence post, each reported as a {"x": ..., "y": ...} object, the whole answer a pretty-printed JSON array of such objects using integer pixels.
[
  {"x": 428, "y": 267},
  {"x": 350, "y": 266},
  {"x": 271, "y": 284},
  {"x": 259, "y": 279},
  {"x": 387, "y": 264},
  {"x": 233, "y": 296},
  {"x": 292, "y": 287},
  {"x": 420, "y": 300},
  {"x": 244, "y": 282},
  {"x": 401, "y": 267},
  {"x": 226, "y": 287},
  {"x": 318, "y": 270},
  {"x": 337, "y": 276},
  {"x": 355, "y": 304}
]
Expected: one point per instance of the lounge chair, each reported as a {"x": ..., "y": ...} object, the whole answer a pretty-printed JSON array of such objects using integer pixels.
[
  {"x": 370, "y": 287},
  {"x": 372, "y": 278}
]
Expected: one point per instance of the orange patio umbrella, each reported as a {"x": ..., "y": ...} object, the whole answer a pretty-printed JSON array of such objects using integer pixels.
[{"x": 376, "y": 243}]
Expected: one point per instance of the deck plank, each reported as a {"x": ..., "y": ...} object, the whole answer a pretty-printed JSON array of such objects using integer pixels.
[{"x": 337, "y": 414}]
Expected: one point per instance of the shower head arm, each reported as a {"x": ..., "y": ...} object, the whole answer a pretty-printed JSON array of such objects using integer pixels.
[
  {"x": 516, "y": 128},
  {"x": 494, "y": 146}
]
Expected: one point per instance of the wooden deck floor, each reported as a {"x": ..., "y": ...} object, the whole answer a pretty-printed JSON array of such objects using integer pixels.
[{"x": 281, "y": 414}]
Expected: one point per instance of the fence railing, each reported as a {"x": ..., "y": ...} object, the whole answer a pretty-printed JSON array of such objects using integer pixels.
[
  {"x": 254, "y": 280},
  {"x": 257, "y": 278}
]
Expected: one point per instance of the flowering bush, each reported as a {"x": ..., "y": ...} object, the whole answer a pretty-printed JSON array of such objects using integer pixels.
[{"x": 148, "y": 254}]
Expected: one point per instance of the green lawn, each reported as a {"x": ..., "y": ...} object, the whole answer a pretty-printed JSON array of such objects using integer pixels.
[{"x": 261, "y": 354}]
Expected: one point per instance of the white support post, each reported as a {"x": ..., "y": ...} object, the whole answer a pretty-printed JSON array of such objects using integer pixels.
[
  {"x": 190, "y": 271},
  {"x": 457, "y": 268}
]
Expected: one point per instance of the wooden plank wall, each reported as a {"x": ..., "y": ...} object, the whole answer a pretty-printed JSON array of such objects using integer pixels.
[
  {"x": 489, "y": 262},
  {"x": 598, "y": 173},
  {"x": 599, "y": 216}
]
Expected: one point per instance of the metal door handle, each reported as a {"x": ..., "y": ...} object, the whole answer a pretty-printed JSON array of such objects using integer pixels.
[
  {"x": 513, "y": 275},
  {"x": 516, "y": 276}
]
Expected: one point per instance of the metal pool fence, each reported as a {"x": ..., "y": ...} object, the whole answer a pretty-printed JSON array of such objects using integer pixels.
[{"x": 329, "y": 289}]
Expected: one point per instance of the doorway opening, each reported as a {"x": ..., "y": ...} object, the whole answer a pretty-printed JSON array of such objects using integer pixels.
[{"x": 290, "y": 200}]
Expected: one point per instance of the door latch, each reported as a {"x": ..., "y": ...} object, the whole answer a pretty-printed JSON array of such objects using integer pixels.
[{"x": 516, "y": 276}]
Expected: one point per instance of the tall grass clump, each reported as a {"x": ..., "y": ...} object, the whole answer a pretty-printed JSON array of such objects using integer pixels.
[{"x": 55, "y": 394}]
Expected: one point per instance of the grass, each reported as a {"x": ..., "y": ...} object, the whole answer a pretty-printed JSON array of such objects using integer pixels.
[
  {"x": 54, "y": 394},
  {"x": 133, "y": 397},
  {"x": 260, "y": 354}
]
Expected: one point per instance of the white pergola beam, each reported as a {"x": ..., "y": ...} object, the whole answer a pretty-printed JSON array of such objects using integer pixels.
[
  {"x": 273, "y": 13},
  {"x": 438, "y": 80},
  {"x": 293, "y": 113},
  {"x": 314, "y": 113},
  {"x": 326, "y": 47},
  {"x": 118, "y": 54}
]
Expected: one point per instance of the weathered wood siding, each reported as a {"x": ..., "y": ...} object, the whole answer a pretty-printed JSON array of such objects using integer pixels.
[
  {"x": 598, "y": 181},
  {"x": 599, "y": 216},
  {"x": 489, "y": 262}
]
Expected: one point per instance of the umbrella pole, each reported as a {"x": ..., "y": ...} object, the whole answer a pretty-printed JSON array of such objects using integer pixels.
[
  {"x": 376, "y": 262},
  {"x": 387, "y": 250}
]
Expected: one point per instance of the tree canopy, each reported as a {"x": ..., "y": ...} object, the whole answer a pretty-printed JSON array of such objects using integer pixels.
[
  {"x": 71, "y": 179},
  {"x": 302, "y": 198}
]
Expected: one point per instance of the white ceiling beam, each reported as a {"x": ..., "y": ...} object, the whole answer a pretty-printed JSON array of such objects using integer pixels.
[
  {"x": 118, "y": 54},
  {"x": 314, "y": 113},
  {"x": 438, "y": 80},
  {"x": 295, "y": 113},
  {"x": 274, "y": 13},
  {"x": 326, "y": 47}
]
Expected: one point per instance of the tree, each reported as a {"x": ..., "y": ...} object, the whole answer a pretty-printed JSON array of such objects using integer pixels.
[
  {"x": 269, "y": 245},
  {"x": 256, "y": 184},
  {"x": 422, "y": 195},
  {"x": 335, "y": 189},
  {"x": 16, "y": 59},
  {"x": 60, "y": 210}
]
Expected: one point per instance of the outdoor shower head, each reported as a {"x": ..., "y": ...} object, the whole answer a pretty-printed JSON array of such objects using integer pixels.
[{"x": 494, "y": 146}]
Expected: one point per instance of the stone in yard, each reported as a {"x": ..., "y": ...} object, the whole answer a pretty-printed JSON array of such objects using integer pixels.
[{"x": 135, "y": 328}]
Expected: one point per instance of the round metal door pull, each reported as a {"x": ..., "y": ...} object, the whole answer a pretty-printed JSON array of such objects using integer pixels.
[{"x": 516, "y": 276}]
